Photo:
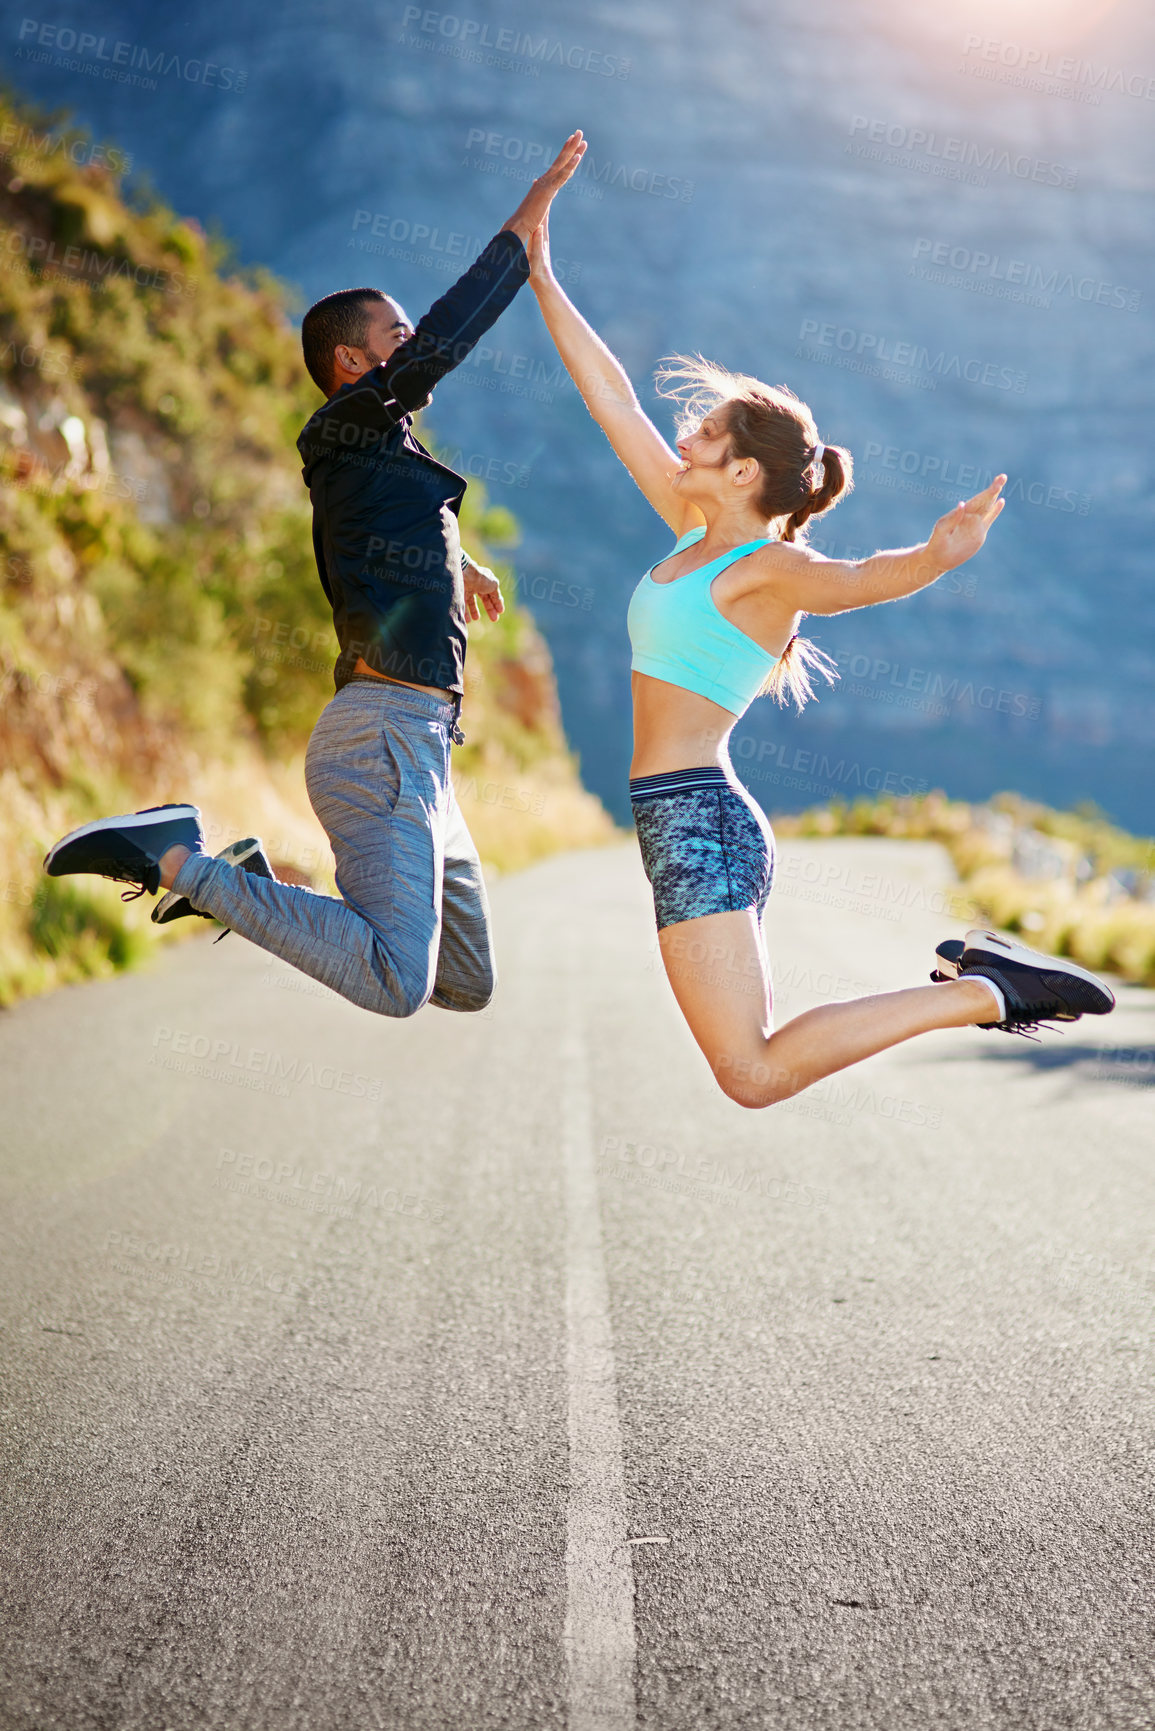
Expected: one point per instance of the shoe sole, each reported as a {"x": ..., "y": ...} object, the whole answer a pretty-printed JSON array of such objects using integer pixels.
[
  {"x": 983, "y": 946},
  {"x": 235, "y": 854},
  {"x": 949, "y": 956},
  {"x": 133, "y": 820}
]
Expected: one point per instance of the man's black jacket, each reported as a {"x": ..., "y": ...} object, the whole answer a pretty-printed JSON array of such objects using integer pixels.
[{"x": 384, "y": 511}]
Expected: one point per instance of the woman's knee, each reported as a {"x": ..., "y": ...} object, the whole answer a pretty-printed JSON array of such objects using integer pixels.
[{"x": 753, "y": 1082}]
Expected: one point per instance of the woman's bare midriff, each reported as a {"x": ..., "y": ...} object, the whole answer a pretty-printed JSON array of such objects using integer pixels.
[
  {"x": 362, "y": 666},
  {"x": 676, "y": 729}
]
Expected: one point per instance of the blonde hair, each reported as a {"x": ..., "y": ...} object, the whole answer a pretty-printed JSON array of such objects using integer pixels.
[{"x": 777, "y": 429}]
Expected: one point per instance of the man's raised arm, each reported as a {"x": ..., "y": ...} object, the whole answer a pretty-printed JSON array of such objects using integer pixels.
[{"x": 455, "y": 323}]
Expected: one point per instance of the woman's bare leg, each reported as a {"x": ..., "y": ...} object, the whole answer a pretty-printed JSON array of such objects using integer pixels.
[{"x": 719, "y": 974}]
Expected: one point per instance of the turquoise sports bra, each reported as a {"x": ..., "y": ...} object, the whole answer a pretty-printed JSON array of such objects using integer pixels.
[{"x": 678, "y": 634}]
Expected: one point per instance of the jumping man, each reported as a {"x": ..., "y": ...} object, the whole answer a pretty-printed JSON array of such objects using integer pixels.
[{"x": 411, "y": 925}]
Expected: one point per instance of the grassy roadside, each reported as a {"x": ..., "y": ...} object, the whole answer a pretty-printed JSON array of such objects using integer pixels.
[{"x": 1072, "y": 883}]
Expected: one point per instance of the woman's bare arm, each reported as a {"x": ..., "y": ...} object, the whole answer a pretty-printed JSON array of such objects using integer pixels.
[
  {"x": 812, "y": 584},
  {"x": 608, "y": 393}
]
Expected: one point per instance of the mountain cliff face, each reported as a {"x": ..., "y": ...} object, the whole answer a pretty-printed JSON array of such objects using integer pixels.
[
  {"x": 163, "y": 634},
  {"x": 930, "y": 221}
]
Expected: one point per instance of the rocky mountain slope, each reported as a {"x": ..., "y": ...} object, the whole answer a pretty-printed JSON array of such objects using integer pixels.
[{"x": 932, "y": 221}]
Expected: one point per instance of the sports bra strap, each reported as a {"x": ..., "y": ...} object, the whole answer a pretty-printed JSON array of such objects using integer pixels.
[
  {"x": 719, "y": 565},
  {"x": 687, "y": 540}
]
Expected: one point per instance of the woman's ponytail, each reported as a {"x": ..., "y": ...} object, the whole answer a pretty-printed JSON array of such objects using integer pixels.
[
  {"x": 789, "y": 680},
  {"x": 837, "y": 479}
]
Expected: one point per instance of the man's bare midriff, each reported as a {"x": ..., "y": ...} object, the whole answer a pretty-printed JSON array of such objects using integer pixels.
[{"x": 362, "y": 666}]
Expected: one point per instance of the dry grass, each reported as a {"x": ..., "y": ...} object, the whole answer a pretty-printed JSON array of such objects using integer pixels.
[{"x": 1087, "y": 920}]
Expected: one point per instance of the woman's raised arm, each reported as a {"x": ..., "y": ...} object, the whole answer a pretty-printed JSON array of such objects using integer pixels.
[{"x": 608, "y": 393}]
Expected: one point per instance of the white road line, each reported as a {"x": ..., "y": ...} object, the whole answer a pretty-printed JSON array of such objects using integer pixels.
[{"x": 599, "y": 1624}]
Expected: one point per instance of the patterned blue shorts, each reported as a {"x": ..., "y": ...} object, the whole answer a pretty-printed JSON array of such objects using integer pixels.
[{"x": 707, "y": 848}]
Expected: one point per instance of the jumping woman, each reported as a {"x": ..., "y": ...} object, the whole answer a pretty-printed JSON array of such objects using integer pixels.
[{"x": 714, "y": 625}]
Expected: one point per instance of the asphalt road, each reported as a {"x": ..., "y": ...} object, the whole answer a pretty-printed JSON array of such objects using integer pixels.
[{"x": 497, "y": 1371}]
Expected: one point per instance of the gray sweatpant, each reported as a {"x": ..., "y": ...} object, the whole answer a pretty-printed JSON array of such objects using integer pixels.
[{"x": 412, "y": 926}]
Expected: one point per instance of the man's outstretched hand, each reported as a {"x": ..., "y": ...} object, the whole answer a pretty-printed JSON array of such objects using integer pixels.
[{"x": 533, "y": 207}]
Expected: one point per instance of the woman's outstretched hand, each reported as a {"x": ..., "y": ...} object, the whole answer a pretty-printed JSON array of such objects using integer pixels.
[
  {"x": 959, "y": 535},
  {"x": 534, "y": 207},
  {"x": 540, "y": 263}
]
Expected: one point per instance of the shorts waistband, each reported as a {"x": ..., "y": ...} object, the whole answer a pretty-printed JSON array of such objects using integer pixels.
[
  {"x": 644, "y": 787},
  {"x": 404, "y": 697}
]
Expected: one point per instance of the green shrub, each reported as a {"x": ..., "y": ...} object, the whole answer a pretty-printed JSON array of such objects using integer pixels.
[{"x": 76, "y": 927}]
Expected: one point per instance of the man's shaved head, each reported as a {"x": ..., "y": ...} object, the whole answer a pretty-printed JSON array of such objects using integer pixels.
[{"x": 345, "y": 318}]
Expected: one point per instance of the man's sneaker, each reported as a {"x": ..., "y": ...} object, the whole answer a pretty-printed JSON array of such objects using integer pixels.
[
  {"x": 248, "y": 854},
  {"x": 1035, "y": 988},
  {"x": 128, "y": 848},
  {"x": 949, "y": 956}
]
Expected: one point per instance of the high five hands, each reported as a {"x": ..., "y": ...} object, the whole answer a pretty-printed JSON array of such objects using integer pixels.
[
  {"x": 540, "y": 263},
  {"x": 534, "y": 207},
  {"x": 959, "y": 535}
]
